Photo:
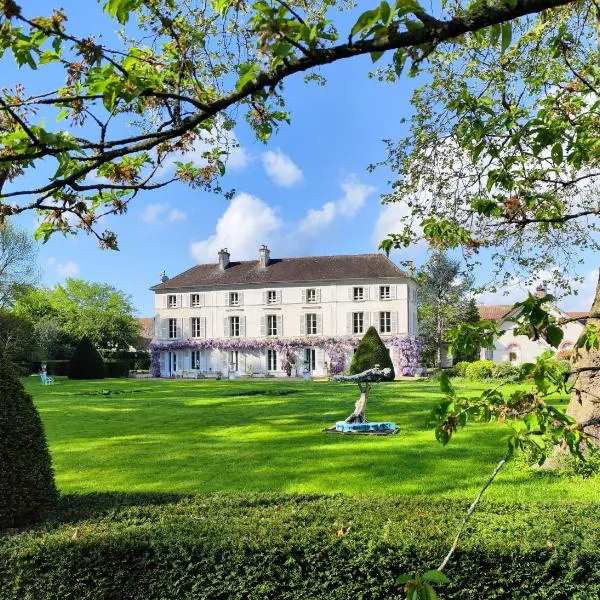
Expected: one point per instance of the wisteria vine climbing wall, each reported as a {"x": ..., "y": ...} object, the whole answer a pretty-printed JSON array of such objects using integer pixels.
[{"x": 336, "y": 349}]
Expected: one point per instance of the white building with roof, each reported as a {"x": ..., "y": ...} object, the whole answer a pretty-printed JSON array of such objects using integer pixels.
[
  {"x": 275, "y": 315},
  {"x": 519, "y": 349}
]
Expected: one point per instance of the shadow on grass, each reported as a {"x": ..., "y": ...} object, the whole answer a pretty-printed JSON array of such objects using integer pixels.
[{"x": 73, "y": 508}]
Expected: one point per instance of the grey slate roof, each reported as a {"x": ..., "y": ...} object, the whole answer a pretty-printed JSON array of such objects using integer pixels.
[{"x": 286, "y": 270}]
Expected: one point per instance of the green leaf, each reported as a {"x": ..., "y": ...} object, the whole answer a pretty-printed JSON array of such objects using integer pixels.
[
  {"x": 446, "y": 385},
  {"x": 554, "y": 335},
  {"x": 557, "y": 153},
  {"x": 506, "y": 35},
  {"x": 402, "y": 579},
  {"x": 435, "y": 576},
  {"x": 375, "y": 56}
]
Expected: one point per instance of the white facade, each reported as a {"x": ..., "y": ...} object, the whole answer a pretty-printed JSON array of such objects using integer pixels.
[
  {"x": 189, "y": 317},
  {"x": 520, "y": 349}
]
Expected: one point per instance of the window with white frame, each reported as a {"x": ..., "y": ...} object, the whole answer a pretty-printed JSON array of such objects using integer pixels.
[
  {"x": 310, "y": 359},
  {"x": 311, "y": 324},
  {"x": 358, "y": 322},
  {"x": 385, "y": 322},
  {"x": 234, "y": 298},
  {"x": 311, "y": 295},
  {"x": 234, "y": 326},
  {"x": 385, "y": 292},
  {"x": 196, "y": 327},
  {"x": 272, "y": 297},
  {"x": 195, "y": 300},
  {"x": 358, "y": 293},
  {"x": 196, "y": 359},
  {"x": 271, "y": 360},
  {"x": 234, "y": 360},
  {"x": 172, "y": 328},
  {"x": 271, "y": 324},
  {"x": 172, "y": 301}
]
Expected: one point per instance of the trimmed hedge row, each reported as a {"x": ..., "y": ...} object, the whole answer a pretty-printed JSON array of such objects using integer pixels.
[{"x": 298, "y": 547}]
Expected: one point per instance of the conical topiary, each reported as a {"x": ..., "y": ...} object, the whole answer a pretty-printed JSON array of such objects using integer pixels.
[
  {"x": 27, "y": 489},
  {"x": 86, "y": 362},
  {"x": 371, "y": 352}
]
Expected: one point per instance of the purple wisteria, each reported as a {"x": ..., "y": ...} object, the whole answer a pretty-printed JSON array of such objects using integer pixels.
[
  {"x": 409, "y": 355},
  {"x": 336, "y": 349}
]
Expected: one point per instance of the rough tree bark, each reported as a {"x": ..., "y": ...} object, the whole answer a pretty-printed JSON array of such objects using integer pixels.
[{"x": 585, "y": 399}]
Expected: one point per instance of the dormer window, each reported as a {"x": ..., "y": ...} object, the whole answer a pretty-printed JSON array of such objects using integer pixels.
[
  {"x": 234, "y": 299},
  {"x": 272, "y": 297},
  {"x": 172, "y": 301},
  {"x": 358, "y": 294},
  {"x": 195, "y": 300},
  {"x": 311, "y": 295}
]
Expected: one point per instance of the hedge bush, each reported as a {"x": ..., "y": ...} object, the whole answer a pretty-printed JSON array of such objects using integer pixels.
[
  {"x": 27, "y": 489},
  {"x": 371, "y": 351},
  {"x": 480, "y": 369},
  {"x": 506, "y": 371},
  {"x": 300, "y": 547},
  {"x": 116, "y": 368},
  {"x": 86, "y": 362},
  {"x": 460, "y": 368}
]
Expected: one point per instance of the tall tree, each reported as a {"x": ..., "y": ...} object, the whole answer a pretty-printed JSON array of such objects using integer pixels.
[
  {"x": 181, "y": 73},
  {"x": 503, "y": 158},
  {"x": 98, "y": 311},
  {"x": 18, "y": 255},
  {"x": 443, "y": 302}
]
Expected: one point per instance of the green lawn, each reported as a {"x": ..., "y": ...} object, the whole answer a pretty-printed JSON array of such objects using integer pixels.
[{"x": 203, "y": 436}]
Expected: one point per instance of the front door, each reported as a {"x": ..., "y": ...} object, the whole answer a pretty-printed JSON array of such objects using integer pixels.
[
  {"x": 172, "y": 362},
  {"x": 310, "y": 361}
]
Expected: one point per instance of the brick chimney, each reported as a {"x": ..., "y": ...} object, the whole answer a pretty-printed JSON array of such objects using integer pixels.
[
  {"x": 540, "y": 291},
  {"x": 264, "y": 256},
  {"x": 223, "y": 259}
]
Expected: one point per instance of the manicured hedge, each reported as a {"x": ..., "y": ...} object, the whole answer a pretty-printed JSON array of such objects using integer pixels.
[
  {"x": 299, "y": 547},
  {"x": 116, "y": 368}
]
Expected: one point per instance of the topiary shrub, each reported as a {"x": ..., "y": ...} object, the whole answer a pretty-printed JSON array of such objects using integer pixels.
[
  {"x": 480, "y": 369},
  {"x": 27, "y": 489},
  {"x": 506, "y": 371},
  {"x": 116, "y": 368},
  {"x": 460, "y": 368},
  {"x": 86, "y": 362},
  {"x": 370, "y": 352}
]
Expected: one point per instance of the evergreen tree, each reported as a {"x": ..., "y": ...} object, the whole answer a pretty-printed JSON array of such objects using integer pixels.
[
  {"x": 471, "y": 315},
  {"x": 86, "y": 362},
  {"x": 27, "y": 489},
  {"x": 370, "y": 352}
]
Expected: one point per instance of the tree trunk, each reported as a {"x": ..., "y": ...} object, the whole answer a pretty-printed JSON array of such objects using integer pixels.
[
  {"x": 359, "y": 415},
  {"x": 585, "y": 399}
]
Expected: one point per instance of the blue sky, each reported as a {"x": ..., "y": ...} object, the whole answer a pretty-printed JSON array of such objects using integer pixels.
[{"x": 307, "y": 192}]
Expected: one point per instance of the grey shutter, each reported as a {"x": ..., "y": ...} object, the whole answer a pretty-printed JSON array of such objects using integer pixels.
[
  {"x": 366, "y": 320},
  {"x": 226, "y": 326},
  {"x": 240, "y": 298},
  {"x": 225, "y": 361},
  {"x": 163, "y": 326},
  {"x": 263, "y": 326},
  {"x": 304, "y": 296},
  {"x": 185, "y": 300},
  {"x": 163, "y": 302},
  {"x": 265, "y": 297},
  {"x": 226, "y": 298},
  {"x": 367, "y": 292},
  {"x": 187, "y": 327},
  {"x": 318, "y": 294},
  {"x": 279, "y": 324},
  {"x": 179, "y": 328},
  {"x": 242, "y": 326},
  {"x": 394, "y": 320},
  {"x": 319, "y": 324},
  {"x": 349, "y": 322},
  {"x": 278, "y": 296},
  {"x": 302, "y": 324},
  {"x": 376, "y": 322},
  {"x": 350, "y": 293},
  {"x": 202, "y": 327},
  {"x": 177, "y": 300},
  {"x": 393, "y": 292}
]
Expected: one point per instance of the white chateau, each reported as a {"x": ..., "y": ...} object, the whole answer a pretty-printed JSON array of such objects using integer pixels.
[{"x": 241, "y": 318}]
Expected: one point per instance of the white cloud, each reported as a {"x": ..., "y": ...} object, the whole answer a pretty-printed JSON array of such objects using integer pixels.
[
  {"x": 176, "y": 215},
  {"x": 67, "y": 269},
  {"x": 355, "y": 195},
  {"x": 161, "y": 212},
  {"x": 247, "y": 223},
  {"x": 281, "y": 169}
]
